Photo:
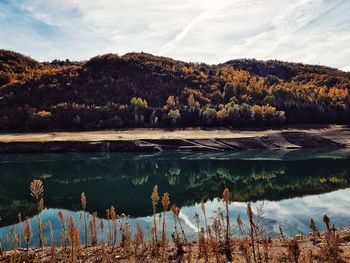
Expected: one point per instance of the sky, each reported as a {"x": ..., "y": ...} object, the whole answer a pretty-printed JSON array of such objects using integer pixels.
[{"x": 210, "y": 31}]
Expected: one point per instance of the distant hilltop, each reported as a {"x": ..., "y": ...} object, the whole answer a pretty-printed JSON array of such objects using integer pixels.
[{"x": 142, "y": 90}]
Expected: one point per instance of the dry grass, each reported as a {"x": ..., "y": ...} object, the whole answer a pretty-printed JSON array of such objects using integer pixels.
[{"x": 215, "y": 242}]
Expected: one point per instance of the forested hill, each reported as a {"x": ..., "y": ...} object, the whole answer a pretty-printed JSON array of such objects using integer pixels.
[
  {"x": 142, "y": 90},
  {"x": 296, "y": 72}
]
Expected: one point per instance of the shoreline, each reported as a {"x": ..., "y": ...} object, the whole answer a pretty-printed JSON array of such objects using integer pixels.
[
  {"x": 143, "y": 140},
  {"x": 326, "y": 246}
]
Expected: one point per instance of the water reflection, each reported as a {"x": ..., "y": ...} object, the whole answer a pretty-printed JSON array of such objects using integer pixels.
[{"x": 126, "y": 180}]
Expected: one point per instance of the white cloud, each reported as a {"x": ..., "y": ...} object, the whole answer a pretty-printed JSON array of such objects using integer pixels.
[
  {"x": 346, "y": 68},
  {"x": 309, "y": 31},
  {"x": 292, "y": 214}
]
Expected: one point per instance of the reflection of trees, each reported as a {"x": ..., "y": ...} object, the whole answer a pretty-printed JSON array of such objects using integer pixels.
[
  {"x": 172, "y": 175},
  {"x": 140, "y": 180},
  {"x": 126, "y": 182}
]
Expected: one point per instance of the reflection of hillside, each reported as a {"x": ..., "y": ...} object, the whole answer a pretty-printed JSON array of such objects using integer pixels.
[{"x": 125, "y": 181}]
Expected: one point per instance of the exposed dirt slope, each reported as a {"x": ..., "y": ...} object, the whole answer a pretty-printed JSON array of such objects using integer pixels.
[{"x": 187, "y": 139}]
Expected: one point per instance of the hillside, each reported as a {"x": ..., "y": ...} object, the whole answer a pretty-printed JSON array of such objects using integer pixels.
[
  {"x": 142, "y": 90},
  {"x": 294, "y": 72}
]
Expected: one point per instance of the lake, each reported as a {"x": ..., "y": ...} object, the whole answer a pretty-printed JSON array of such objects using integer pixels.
[{"x": 291, "y": 186}]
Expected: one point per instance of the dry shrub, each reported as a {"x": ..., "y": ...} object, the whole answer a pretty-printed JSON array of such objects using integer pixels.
[
  {"x": 203, "y": 246},
  {"x": 93, "y": 229},
  {"x": 266, "y": 244},
  {"x": 126, "y": 241},
  {"x": 176, "y": 237},
  {"x": 139, "y": 241},
  {"x": 293, "y": 250},
  {"x": 330, "y": 251},
  {"x": 315, "y": 232},
  {"x": 27, "y": 232},
  {"x": 64, "y": 235},
  {"x": 73, "y": 232},
  {"x": 244, "y": 249},
  {"x": 52, "y": 243}
]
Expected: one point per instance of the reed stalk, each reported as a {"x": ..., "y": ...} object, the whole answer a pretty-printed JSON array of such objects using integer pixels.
[
  {"x": 74, "y": 237},
  {"x": 27, "y": 233},
  {"x": 93, "y": 229},
  {"x": 37, "y": 190},
  {"x": 155, "y": 200},
  {"x": 109, "y": 235},
  {"x": 226, "y": 196},
  {"x": 83, "y": 205},
  {"x": 165, "y": 204},
  {"x": 115, "y": 226},
  {"x": 252, "y": 225}
]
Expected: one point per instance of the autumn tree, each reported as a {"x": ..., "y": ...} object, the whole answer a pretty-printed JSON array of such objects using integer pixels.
[{"x": 175, "y": 116}]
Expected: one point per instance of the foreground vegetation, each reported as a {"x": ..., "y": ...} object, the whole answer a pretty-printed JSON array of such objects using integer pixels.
[
  {"x": 213, "y": 243},
  {"x": 141, "y": 90}
]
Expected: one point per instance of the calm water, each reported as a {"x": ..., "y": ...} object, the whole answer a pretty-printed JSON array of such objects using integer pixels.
[{"x": 292, "y": 186}]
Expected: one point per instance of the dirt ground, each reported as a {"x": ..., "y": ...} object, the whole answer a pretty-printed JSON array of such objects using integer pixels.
[
  {"x": 331, "y": 131},
  {"x": 316, "y": 136}
]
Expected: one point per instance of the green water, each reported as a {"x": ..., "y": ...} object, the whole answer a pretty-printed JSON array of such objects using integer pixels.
[{"x": 294, "y": 185}]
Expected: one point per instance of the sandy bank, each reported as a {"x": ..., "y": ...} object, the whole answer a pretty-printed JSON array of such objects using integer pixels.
[{"x": 336, "y": 136}]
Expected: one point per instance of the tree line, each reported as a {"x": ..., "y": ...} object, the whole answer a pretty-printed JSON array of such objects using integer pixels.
[{"x": 141, "y": 90}]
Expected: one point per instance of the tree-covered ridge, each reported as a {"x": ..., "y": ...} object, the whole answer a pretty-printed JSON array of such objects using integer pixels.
[
  {"x": 15, "y": 67},
  {"x": 294, "y": 72},
  {"x": 142, "y": 90}
]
